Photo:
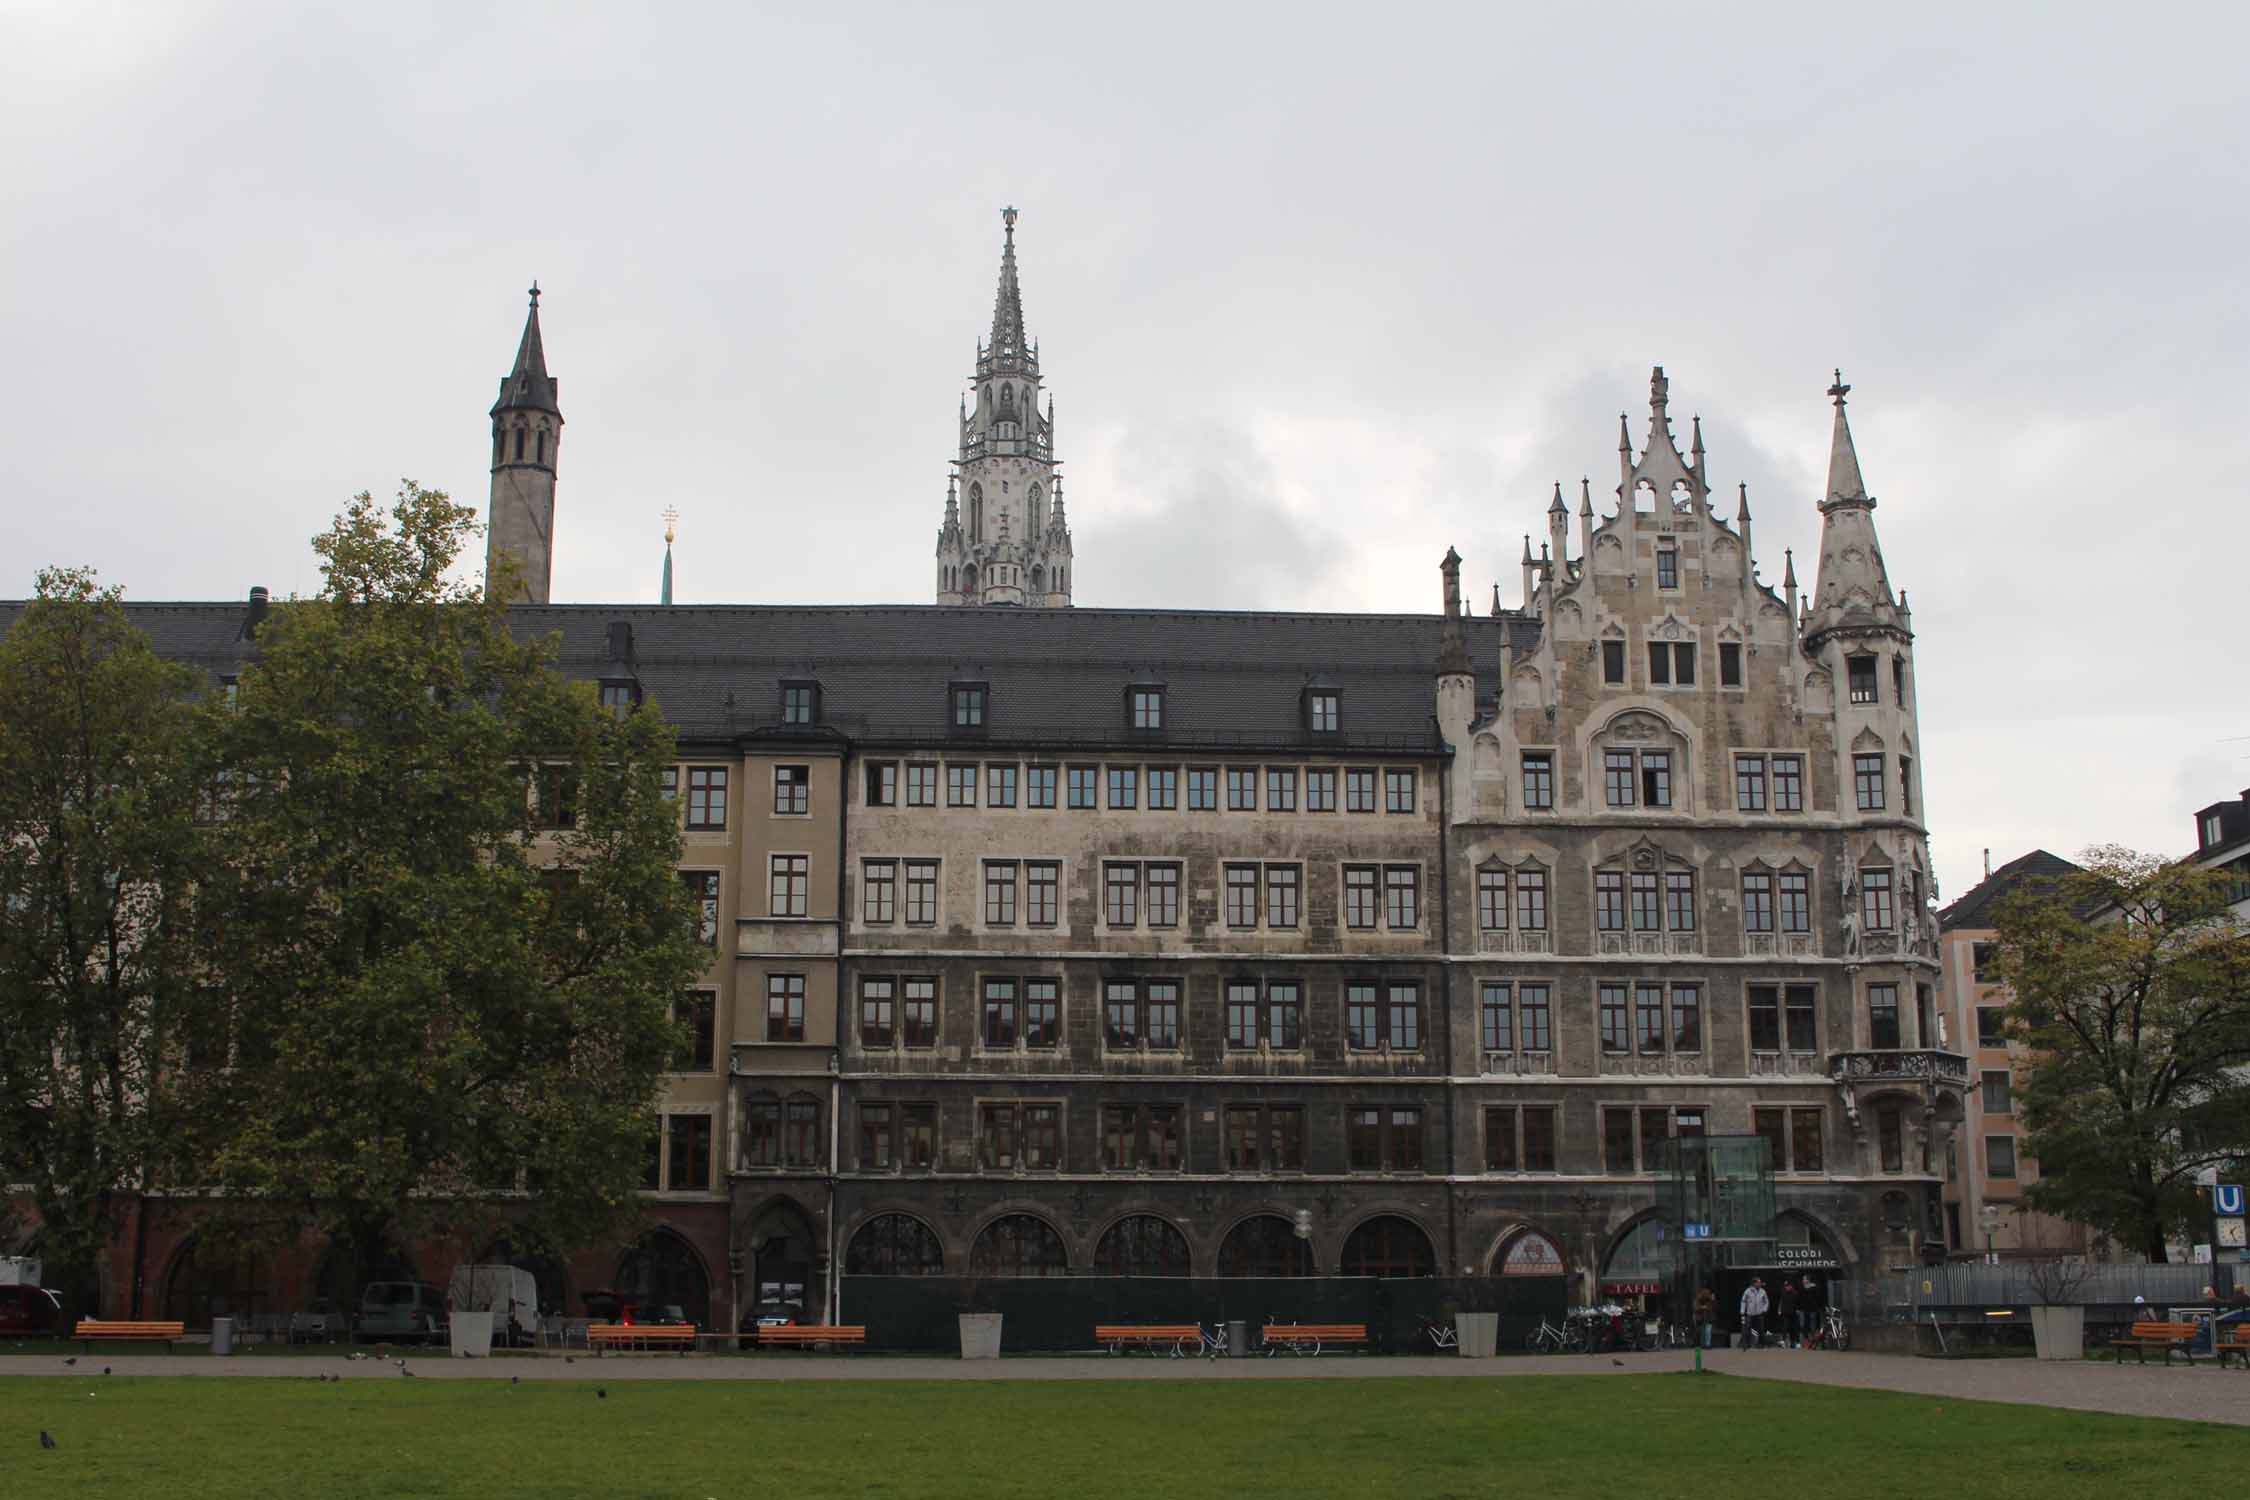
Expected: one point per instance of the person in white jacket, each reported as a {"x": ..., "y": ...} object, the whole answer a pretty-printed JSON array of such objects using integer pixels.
[{"x": 1754, "y": 1305}]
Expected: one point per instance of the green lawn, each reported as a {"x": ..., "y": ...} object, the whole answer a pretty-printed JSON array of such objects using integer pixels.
[{"x": 1547, "y": 1438}]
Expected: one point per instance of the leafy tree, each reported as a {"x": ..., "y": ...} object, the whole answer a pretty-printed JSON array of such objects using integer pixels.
[
  {"x": 99, "y": 790},
  {"x": 451, "y": 933},
  {"x": 2131, "y": 983}
]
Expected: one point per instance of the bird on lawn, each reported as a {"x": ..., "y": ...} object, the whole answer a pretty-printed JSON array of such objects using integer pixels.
[
  {"x": 46, "y": 1440},
  {"x": 570, "y": 1359},
  {"x": 105, "y": 1369},
  {"x": 72, "y": 1360},
  {"x": 515, "y": 1380},
  {"x": 601, "y": 1393},
  {"x": 1619, "y": 1363}
]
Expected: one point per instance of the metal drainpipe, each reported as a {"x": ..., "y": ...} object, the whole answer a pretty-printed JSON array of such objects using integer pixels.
[
  {"x": 836, "y": 1058},
  {"x": 1445, "y": 953}
]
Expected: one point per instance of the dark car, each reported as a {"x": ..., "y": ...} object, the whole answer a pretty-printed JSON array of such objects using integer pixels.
[
  {"x": 29, "y": 1309},
  {"x": 654, "y": 1315},
  {"x": 400, "y": 1310}
]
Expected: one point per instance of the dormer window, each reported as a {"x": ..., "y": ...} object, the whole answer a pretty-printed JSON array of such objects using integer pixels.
[
  {"x": 1324, "y": 710},
  {"x": 968, "y": 701},
  {"x": 2211, "y": 828},
  {"x": 1860, "y": 673},
  {"x": 620, "y": 695},
  {"x": 1145, "y": 709},
  {"x": 800, "y": 703}
]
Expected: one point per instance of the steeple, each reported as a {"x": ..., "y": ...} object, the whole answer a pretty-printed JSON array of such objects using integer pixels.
[
  {"x": 671, "y": 524},
  {"x": 1852, "y": 591},
  {"x": 1453, "y": 651},
  {"x": 1844, "y": 483},
  {"x": 1007, "y": 345},
  {"x": 526, "y": 442}
]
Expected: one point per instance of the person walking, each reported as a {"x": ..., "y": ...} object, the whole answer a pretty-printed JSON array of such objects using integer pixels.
[
  {"x": 1753, "y": 1310},
  {"x": 1706, "y": 1314},
  {"x": 1785, "y": 1310}
]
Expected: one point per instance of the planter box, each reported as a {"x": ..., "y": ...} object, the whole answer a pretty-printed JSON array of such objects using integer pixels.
[
  {"x": 980, "y": 1335},
  {"x": 2059, "y": 1332},
  {"x": 471, "y": 1334},
  {"x": 1479, "y": 1335}
]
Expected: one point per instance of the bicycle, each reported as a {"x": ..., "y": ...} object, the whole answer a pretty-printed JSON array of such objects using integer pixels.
[
  {"x": 1831, "y": 1332},
  {"x": 1547, "y": 1338},
  {"x": 1442, "y": 1335},
  {"x": 1212, "y": 1343}
]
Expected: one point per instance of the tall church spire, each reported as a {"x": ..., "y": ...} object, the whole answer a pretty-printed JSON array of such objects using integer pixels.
[
  {"x": 526, "y": 441},
  {"x": 671, "y": 525},
  {"x": 1004, "y": 539},
  {"x": 1853, "y": 590}
]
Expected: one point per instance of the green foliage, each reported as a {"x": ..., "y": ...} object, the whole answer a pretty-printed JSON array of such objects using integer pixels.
[
  {"x": 99, "y": 787},
  {"x": 2131, "y": 992},
  {"x": 424, "y": 1015}
]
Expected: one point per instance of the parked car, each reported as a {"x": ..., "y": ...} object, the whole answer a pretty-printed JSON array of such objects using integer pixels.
[
  {"x": 318, "y": 1323},
  {"x": 655, "y": 1314},
  {"x": 400, "y": 1310},
  {"x": 30, "y": 1309},
  {"x": 780, "y": 1304},
  {"x": 509, "y": 1293}
]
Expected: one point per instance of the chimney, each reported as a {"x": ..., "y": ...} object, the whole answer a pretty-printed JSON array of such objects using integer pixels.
[
  {"x": 255, "y": 615},
  {"x": 621, "y": 641}
]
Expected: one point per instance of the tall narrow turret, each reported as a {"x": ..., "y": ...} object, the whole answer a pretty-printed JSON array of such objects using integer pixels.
[{"x": 526, "y": 439}]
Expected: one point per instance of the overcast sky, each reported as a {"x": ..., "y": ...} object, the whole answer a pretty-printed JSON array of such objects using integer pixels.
[{"x": 1320, "y": 291}]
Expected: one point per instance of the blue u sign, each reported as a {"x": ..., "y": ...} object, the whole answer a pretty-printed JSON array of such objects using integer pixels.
[{"x": 2226, "y": 1200}]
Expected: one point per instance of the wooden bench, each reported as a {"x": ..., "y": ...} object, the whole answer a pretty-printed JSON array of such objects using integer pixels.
[
  {"x": 91, "y": 1329},
  {"x": 1182, "y": 1339},
  {"x": 603, "y": 1336},
  {"x": 2164, "y": 1336},
  {"x": 1303, "y": 1338},
  {"x": 813, "y": 1336},
  {"x": 2234, "y": 1340}
]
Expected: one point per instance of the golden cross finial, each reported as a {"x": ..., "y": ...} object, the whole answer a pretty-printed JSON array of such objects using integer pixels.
[{"x": 671, "y": 524}]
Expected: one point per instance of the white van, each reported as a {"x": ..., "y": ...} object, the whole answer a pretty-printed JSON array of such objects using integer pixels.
[{"x": 509, "y": 1293}]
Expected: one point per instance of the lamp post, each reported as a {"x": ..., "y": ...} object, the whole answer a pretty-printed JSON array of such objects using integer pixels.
[{"x": 1988, "y": 1219}]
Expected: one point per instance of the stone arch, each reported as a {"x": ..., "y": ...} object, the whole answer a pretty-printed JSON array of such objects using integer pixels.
[
  {"x": 662, "y": 1269},
  {"x": 895, "y": 1244},
  {"x": 1142, "y": 1244},
  {"x": 1637, "y": 1257},
  {"x": 976, "y": 512},
  {"x": 782, "y": 1261},
  {"x": 1530, "y": 1251},
  {"x": 202, "y": 1283},
  {"x": 1388, "y": 1244},
  {"x": 1263, "y": 1245},
  {"x": 1866, "y": 742},
  {"x": 1019, "y": 1244},
  {"x": 969, "y": 582}
]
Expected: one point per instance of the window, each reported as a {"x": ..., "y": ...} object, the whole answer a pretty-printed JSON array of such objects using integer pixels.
[
  {"x": 2213, "y": 827},
  {"x": 999, "y": 786},
  {"x": 1497, "y": 1016},
  {"x": 1000, "y": 1014},
  {"x": 1890, "y": 1139},
  {"x": 557, "y": 803},
  {"x": 1788, "y": 783},
  {"x": 996, "y": 1137},
  {"x": 800, "y": 703},
  {"x": 1203, "y": 789},
  {"x": 1042, "y": 1137},
  {"x": 1136, "y": 1013},
  {"x": 917, "y": 1013},
  {"x": 1403, "y": 1017},
  {"x": 875, "y": 1137},
  {"x": 706, "y": 797},
  {"x": 1533, "y": 1019},
  {"x": 2000, "y": 1156},
  {"x": 1084, "y": 780},
  {"x": 1687, "y": 1018},
  {"x": 1323, "y": 712},
  {"x": 1274, "y": 1017},
  {"x": 1244, "y": 1135},
  {"x": 1757, "y": 902},
  {"x": 1750, "y": 783},
  {"x": 1667, "y": 567},
  {"x": 1882, "y": 1017},
  {"x": 690, "y": 1149},
  {"x": 788, "y": 884},
  {"x": 1609, "y": 901},
  {"x": 1281, "y": 895},
  {"x": 1613, "y": 661},
  {"x": 1160, "y": 1013},
  {"x": 1359, "y": 896},
  {"x": 1402, "y": 897},
  {"x": 877, "y": 1020},
  {"x": 1398, "y": 791},
  {"x": 1363, "y": 1020},
  {"x": 761, "y": 1132},
  {"x": 1617, "y": 1140},
  {"x": 1242, "y": 1013},
  {"x": 785, "y": 1007},
  {"x": 1268, "y": 1136},
  {"x": 882, "y": 783},
  {"x": 1163, "y": 895},
  {"x": 1320, "y": 790},
  {"x": 1617, "y": 777},
  {"x": 1141, "y": 1137},
  {"x": 1775, "y": 1007},
  {"x": 1984, "y": 961},
  {"x": 1796, "y": 901},
  {"x": 1359, "y": 790},
  {"x": 1538, "y": 779},
  {"x": 1875, "y": 904},
  {"x": 968, "y": 706},
  {"x": 1242, "y": 789},
  {"x": 1860, "y": 674},
  {"x": 1492, "y": 900},
  {"x": 1656, "y": 778},
  {"x": 1163, "y": 788},
  {"x": 1997, "y": 1098},
  {"x": 1385, "y": 1137},
  {"x": 668, "y": 784},
  {"x": 792, "y": 791},
  {"x": 703, "y": 889},
  {"x": 1147, "y": 708},
  {"x": 1042, "y": 1013},
  {"x": 1867, "y": 781},
  {"x": 1730, "y": 664},
  {"x": 1042, "y": 891},
  {"x": 1801, "y": 1011},
  {"x": 1671, "y": 663},
  {"x": 1992, "y": 1026},
  {"x": 697, "y": 1011},
  {"x": 921, "y": 892},
  {"x": 1281, "y": 789},
  {"x": 1792, "y": 1136},
  {"x": 1124, "y": 786},
  {"x": 917, "y": 1137},
  {"x": 999, "y": 893},
  {"x": 1906, "y": 785},
  {"x": 921, "y": 783},
  {"x": 1539, "y": 1137},
  {"x": 1531, "y": 900},
  {"x": 1383, "y": 1015},
  {"x": 1898, "y": 680},
  {"x": 1039, "y": 786},
  {"x": 1679, "y": 900},
  {"x": 1242, "y": 895},
  {"x": 1121, "y": 895},
  {"x": 1610, "y": 1009},
  {"x": 1648, "y": 1017},
  {"x": 960, "y": 785}
]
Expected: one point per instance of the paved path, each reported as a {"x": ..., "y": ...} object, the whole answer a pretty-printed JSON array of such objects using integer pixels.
[{"x": 2202, "y": 1393}]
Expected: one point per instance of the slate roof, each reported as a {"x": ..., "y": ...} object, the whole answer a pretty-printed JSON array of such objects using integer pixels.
[{"x": 1977, "y": 910}]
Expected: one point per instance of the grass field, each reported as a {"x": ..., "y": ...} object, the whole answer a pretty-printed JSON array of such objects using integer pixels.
[{"x": 1551, "y": 1439}]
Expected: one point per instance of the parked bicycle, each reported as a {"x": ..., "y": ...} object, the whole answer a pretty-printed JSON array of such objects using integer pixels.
[
  {"x": 1441, "y": 1335},
  {"x": 1566, "y": 1337},
  {"x": 1831, "y": 1332},
  {"x": 1213, "y": 1342}
]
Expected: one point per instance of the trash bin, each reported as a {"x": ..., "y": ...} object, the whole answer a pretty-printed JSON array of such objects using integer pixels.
[
  {"x": 222, "y": 1335},
  {"x": 1238, "y": 1338}
]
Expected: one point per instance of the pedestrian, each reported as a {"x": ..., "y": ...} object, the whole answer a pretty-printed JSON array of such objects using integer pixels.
[
  {"x": 1785, "y": 1308},
  {"x": 1808, "y": 1311},
  {"x": 1706, "y": 1314},
  {"x": 1753, "y": 1309}
]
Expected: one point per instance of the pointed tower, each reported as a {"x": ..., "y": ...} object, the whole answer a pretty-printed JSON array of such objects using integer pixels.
[
  {"x": 1005, "y": 539},
  {"x": 526, "y": 438},
  {"x": 671, "y": 526}
]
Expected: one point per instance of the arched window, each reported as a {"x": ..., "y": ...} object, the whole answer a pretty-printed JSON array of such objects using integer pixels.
[
  {"x": 1640, "y": 1263},
  {"x": 1142, "y": 1245},
  {"x": 800, "y": 1131},
  {"x": 660, "y": 1270},
  {"x": 1389, "y": 1246},
  {"x": 542, "y": 445},
  {"x": 976, "y": 512},
  {"x": 519, "y": 445},
  {"x": 1264, "y": 1245},
  {"x": 1007, "y": 398},
  {"x": 1529, "y": 1253},
  {"x": 499, "y": 443},
  {"x": 1018, "y": 1245},
  {"x": 761, "y": 1131},
  {"x": 206, "y": 1285},
  {"x": 895, "y": 1245}
]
